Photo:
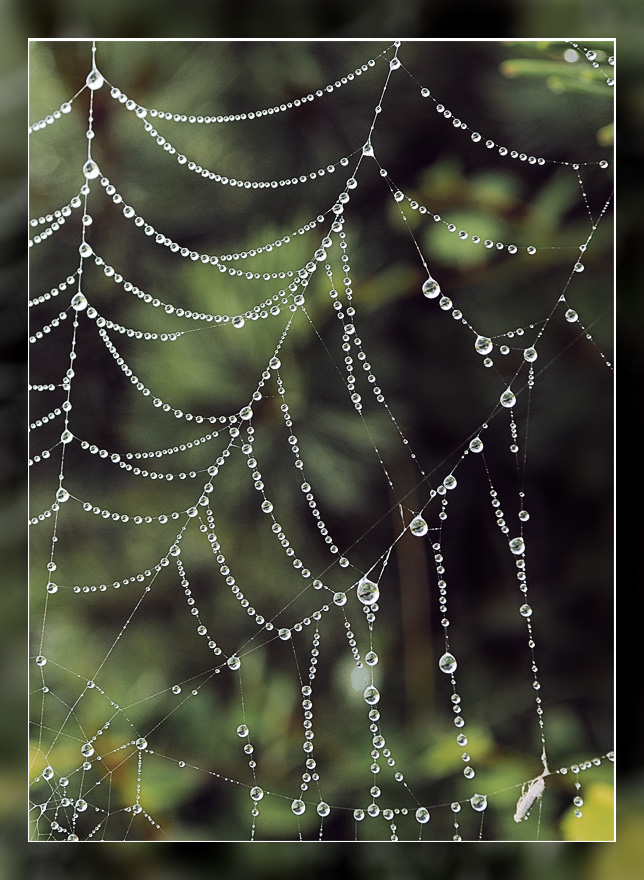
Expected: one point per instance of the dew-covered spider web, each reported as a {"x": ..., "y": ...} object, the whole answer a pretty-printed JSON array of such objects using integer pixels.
[{"x": 321, "y": 440}]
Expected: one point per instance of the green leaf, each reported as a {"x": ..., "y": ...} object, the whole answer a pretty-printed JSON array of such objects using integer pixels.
[{"x": 597, "y": 820}]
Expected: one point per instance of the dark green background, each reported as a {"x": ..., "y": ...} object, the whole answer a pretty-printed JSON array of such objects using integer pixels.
[{"x": 622, "y": 19}]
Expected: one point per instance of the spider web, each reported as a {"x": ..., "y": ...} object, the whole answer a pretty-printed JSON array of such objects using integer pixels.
[{"x": 320, "y": 516}]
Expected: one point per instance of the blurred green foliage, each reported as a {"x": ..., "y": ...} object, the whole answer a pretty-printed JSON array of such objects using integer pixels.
[{"x": 429, "y": 377}]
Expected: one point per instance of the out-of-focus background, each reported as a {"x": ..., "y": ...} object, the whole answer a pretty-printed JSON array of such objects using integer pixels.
[{"x": 411, "y": 19}]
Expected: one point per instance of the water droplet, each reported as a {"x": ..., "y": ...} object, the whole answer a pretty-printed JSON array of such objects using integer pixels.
[
  {"x": 267, "y": 506},
  {"x": 447, "y": 663},
  {"x": 62, "y": 495},
  {"x": 233, "y": 662},
  {"x": 371, "y": 658},
  {"x": 94, "y": 79},
  {"x": 479, "y": 802},
  {"x": 431, "y": 288},
  {"x": 483, "y": 345},
  {"x": 371, "y": 695},
  {"x": 449, "y": 482},
  {"x": 469, "y": 772},
  {"x": 141, "y": 743},
  {"x": 571, "y": 316},
  {"x": 87, "y": 750},
  {"x": 358, "y": 815},
  {"x": 476, "y": 445},
  {"x": 298, "y": 807},
  {"x": 579, "y": 267},
  {"x": 343, "y": 561},
  {"x": 52, "y": 587},
  {"x": 242, "y": 730},
  {"x": 246, "y": 413},
  {"x": 507, "y": 398},
  {"x": 284, "y": 634},
  {"x": 40, "y": 660},
  {"x": 256, "y": 793},
  {"x": 48, "y": 773},
  {"x": 367, "y": 150},
  {"x": 238, "y": 321},
  {"x": 525, "y": 611},
  {"x": 530, "y": 354},
  {"x": 455, "y": 807},
  {"x": 80, "y": 805},
  {"x": 339, "y": 598},
  {"x": 524, "y": 516},
  {"x": 367, "y": 592},
  {"x": 323, "y": 809},
  {"x": 399, "y": 196},
  {"x": 91, "y": 169},
  {"x": 422, "y": 815},
  {"x": 517, "y": 546},
  {"x": 176, "y": 689},
  {"x": 418, "y": 526}
]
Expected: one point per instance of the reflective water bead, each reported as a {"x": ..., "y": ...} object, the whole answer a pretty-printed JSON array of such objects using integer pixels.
[
  {"x": 469, "y": 773},
  {"x": 66, "y": 437},
  {"x": 367, "y": 592},
  {"x": 52, "y": 587},
  {"x": 298, "y": 807},
  {"x": 571, "y": 316},
  {"x": 62, "y": 495},
  {"x": 141, "y": 743},
  {"x": 449, "y": 482},
  {"x": 242, "y": 730},
  {"x": 94, "y": 79},
  {"x": 79, "y": 302},
  {"x": 483, "y": 345},
  {"x": 284, "y": 634},
  {"x": 476, "y": 444},
  {"x": 447, "y": 663},
  {"x": 87, "y": 750},
  {"x": 479, "y": 802},
  {"x": 371, "y": 695},
  {"x": 422, "y": 815},
  {"x": 256, "y": 793},
  {"x": 418, "y": 526},
  {"x": 48, "y": 773},
  {"x": 176, "y": 689},
  {"x": 431, "y": 288},
  {"x": 579, "y": 267},
  {"x": 371, "y": 658},
  {"x": 323, "y": 809},
  {"x": 238, "y": 321},
  {"x": 445, "y": 303},
  {"x": 358, "y": 815},
  {"x": 525, "y": 611},
  {"x": 80, "y": 805},
  {"x": 233, "y": 662},
  {"x": 91, "y": 170},
  {"x": 246, "y": 413},
  {"x": 530, "y": 354},
  {"x": 339, "y": 599},
  {"x": 507, "y": 399},
  {"x": 267, "y": 506},
  {"x": 517, "y": 546}
]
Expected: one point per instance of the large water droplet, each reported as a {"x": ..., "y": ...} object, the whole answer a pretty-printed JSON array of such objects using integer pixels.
[
  {"x": 479, "y": 802},
  {"x": 525, "y": 611},
  {"x": 340, "y": 599},
  {"x": 517, "y": 546},
  {"x": 94, "y": 79},
  {"x": 87, "y": 750},
  {"x": 141, "y": 743},
  {"x": 256, "y": 793},
  {"x": 242, "y": 730},
  {"x": 48, "y": 773},
  {"x": 246, "y": 413},
  {"x": 238, "y": 321},
  {"x": 371, "y": 695},
  {"x": 233, "y": 662},
  {"x": 418, "y": 526},
  {"x": 483, "y": 345},
  {"x": 80, "y": 805},
  {"x": 476, "y": 445},
  {"x": 449, "y": 482},
  {"x": 530, "y": 354},
  {"x": 298, "y": 807},
  {"x": 422, "y": 815},
  {"x": 62, "y": 495},
  {"x": 91, "y": 169},
  {"x": 284, "y": 634},
  {"x": 323, "y": 809},
  {"x": 572, "y": 316},
  {"x": 367, "y": 592},
  {"x": 431, "y": 288},
  {"x": 447, "y": 663},
  {"x": 507, "y": 398}
]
